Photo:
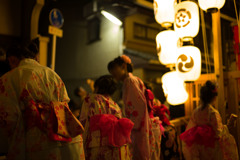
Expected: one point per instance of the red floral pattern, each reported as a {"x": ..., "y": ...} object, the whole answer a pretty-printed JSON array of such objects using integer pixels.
[
  {"x": 31, "y": 82},
  {"x": 224, "y": 147},
  {"x": 96, "y": 104}
]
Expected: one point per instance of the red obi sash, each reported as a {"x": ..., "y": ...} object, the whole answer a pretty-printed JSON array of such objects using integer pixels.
[
  {"x": 118, "y": 131},
  {"x": 201, "y": 135},
  {"x": 161, "y": 111},
  {"x": 55, "y": 119}
]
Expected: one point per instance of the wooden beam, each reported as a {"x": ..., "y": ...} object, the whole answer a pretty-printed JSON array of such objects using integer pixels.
[{"x": 218, "y": 64}]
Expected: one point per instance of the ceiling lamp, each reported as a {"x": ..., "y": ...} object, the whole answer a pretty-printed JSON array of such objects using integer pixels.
[
  {"x": 174, "y": 88},
  {"x": 167, "y": 47},
  {"x": 211, "y": 5},
  {"x": 164, "y": 12},
  {"x": 111, "y": 18},
  {"x": 186, "y": 20},
  {"x": 188, "y": 64}
]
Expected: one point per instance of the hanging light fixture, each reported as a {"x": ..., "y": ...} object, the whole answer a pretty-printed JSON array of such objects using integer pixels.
[
  {"x": 111, "y": 17},
  {"x": 211, "y": 5},
  {"x": 186, "y": 20},
  {"x": 188, "y": 64},
  {"x": 174, "y": 88},
  {"x": 164, "y": 12},
  {"x": 167, "y": 47}
]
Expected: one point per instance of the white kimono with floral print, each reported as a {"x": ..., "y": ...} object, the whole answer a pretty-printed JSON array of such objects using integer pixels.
[
  {"x": 34, "y": 82},
  {"x": 225, "y": 146},
  {"x": 145, "y": 138}
]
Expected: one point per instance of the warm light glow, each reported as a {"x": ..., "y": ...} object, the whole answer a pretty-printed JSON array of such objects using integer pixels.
[
  {"x": 188, "y": 64},
  {"x": 167, "y": 47},
  {"x": 112, "y": 18},
  {"x": 211, "y": 4},
  {"x": 186, "y": 19},
  {"x": 174, "y": 88},
  {"x": 164, "y": 12}
]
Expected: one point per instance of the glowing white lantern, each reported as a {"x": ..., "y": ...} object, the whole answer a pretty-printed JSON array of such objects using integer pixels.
[
  {"x": 167, "y": 47},
  {"x": 211, "y": 5},
  {"x": 164, "y": 12},
  {"x": 174, "y": 88},
  {"x": 186, "y": 19},
  {"x": 188, "y": 64}
]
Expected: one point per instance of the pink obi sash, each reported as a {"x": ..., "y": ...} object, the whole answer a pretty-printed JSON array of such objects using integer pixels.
[
  {"x": 201, "y": 135},
  {"x": 55, "y": 119},
  {"x": 118, "y": 131}
]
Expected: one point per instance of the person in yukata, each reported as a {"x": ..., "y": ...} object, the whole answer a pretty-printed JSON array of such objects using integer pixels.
[
  {"x": 35, "y": 121},
  {"x": 157, "y": 128},
  {"x": 205, "y": 136},
  {"x": 169, "y": 143},
  {"x": 107, "y": 134},
  {"x": 136, "y": 108}
]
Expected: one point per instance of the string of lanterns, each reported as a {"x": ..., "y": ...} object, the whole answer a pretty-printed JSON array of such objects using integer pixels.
[{"x": 186, "y": 57}]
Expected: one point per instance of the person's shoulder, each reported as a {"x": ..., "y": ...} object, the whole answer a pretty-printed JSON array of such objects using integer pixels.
[
  {"x": 131, "y": 79},
  {"x": 213, "y": 111},
  {"x": 50, "y": 72},
  {"x": 91, "y": 97}
]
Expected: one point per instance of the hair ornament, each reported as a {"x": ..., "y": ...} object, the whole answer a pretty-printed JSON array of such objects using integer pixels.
[{"x": 126, "y": 59}]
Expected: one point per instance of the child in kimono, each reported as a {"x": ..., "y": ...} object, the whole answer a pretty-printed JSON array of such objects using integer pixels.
[
  {"x": 143, "y": 142},
  {"x": 107, "y": 134},
  {"x": 35, "y": 121},
  {"x": 206, "y": 137}
]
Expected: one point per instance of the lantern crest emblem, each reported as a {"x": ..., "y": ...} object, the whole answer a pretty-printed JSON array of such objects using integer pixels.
[
  {"x": 183, "y": 18},
  {"x": 185, "y": 63}
]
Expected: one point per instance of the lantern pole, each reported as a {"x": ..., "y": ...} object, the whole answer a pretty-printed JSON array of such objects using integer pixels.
[{"x": 218, "y": 64}]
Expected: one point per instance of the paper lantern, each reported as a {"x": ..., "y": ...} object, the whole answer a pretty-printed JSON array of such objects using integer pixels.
[
  {"x": 167, "y": 47},
  {"x": 164, "y": 12},
  {"x": 174, "y": 88},
  {"x": 188, "y": 64},
  {"x": 186, "y": 19},
  {"x": 211, "y": 5}
]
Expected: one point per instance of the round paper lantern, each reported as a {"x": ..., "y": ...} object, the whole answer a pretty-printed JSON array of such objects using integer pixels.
[
  {"x": 174, "y": 88},
  {"x": 211, "y": 5},
  {"x": 188, "y": 64},
  {"x": 167, "y": 47},
  {"x": 186, "y": 19},
  {"x": 164, "y": 12}
]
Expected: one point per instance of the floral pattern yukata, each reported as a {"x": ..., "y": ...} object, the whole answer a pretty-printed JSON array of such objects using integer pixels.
[
  {"x": 97, "y": 147},
  {"x": 31, "y": 82},
  {"x": 220, "y": 146},
  {"x": 146, "y": 136}
]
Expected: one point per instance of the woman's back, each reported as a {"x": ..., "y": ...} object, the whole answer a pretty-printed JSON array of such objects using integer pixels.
[
  {"x": 204, "y": 117},
  {"x": 206, "y": 128}
]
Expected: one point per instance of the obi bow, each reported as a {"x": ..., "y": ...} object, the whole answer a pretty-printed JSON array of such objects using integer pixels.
[
  {"x": 55, "y": 119},
  {"x": 118, "y": 131}
]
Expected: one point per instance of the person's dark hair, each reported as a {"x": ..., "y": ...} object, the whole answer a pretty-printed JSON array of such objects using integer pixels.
[
  {"x": 111, "y": 65},
  {"x": 105, "y": 85},
  {"x": 207, "y": 93},
  {"x": 119, "y": 61},
  {"x": 20, "y": 52},
  {"x": 32, "y": 47}
]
